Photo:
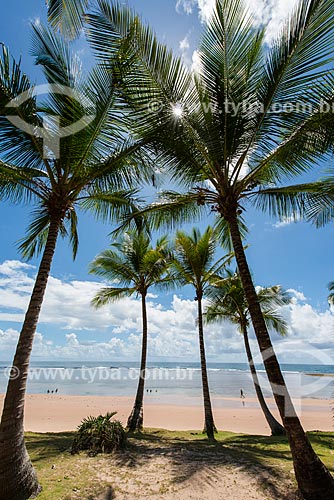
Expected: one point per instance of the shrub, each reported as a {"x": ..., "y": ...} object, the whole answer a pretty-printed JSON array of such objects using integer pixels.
[{"x": 99, "y": 435}]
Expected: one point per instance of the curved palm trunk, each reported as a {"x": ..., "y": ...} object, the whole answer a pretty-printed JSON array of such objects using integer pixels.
[
  {"x": 18, "y": 480},
  {"x": 276, "y": 428},
  {"x": 209, "y": 428},
  {"x": 135, "y": 420},
  {"x": 314, "y": 480}
]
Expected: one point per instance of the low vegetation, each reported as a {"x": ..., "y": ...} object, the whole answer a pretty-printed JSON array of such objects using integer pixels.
[
  {"x": 101, "y": 434},
  {"x": 173, "y": 456}
]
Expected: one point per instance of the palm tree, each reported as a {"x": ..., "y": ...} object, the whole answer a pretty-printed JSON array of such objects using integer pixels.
[
  {"x": 330, "y": 297},
  {"x": 137, "y": 266},
  {"x": 233, "y": 132},
  {"x": 228, "y": 301},
  {"x": 94, "y": 170},
  {"x": 194, "y": 265}
]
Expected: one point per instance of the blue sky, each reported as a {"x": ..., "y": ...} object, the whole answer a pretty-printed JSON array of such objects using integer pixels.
[{"x": 297, "y": 256}]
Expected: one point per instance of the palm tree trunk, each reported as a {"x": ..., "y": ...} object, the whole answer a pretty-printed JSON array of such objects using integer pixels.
[
  {"x": 135, "y": 420},
  {"x": 314, "y": 480},
  {"x": 18, "y": 480},
  {"x": 276, "y": 428},
  {"x": 209, "y": 428}
]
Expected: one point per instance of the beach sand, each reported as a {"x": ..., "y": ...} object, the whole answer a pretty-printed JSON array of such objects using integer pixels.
[{"x": 56, "y": 413}]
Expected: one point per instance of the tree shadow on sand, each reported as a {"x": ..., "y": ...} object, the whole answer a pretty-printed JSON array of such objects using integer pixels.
[
  {"x": 174, "y": 459},
  {"x": 253, "y": 455}
]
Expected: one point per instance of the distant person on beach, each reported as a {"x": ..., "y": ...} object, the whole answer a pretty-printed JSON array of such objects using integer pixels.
[
  {"x": 242, "y": 395},
  {"x": 56, "y": 391}
]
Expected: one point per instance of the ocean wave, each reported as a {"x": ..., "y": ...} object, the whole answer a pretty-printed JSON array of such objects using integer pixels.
[{"x": 234, "y": 370}]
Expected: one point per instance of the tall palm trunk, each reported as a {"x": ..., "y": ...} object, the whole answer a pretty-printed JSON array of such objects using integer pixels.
[
  {"x": 276, "y": 428},
  {"x": 209, "y": 428},
  {"x": 314, "y": 480},
  {"x": 135, "y": 420},
  {"x": 18, "y": 480}
]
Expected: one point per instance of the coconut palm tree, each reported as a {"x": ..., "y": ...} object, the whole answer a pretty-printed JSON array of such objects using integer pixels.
[
  {"x": 227, "y": 301},
  {"x": 194, "y": 264},
  {"x": 137, "y": 266},
  {"x": 251, "y": 117},
  {"x": 94, "y": 169}
]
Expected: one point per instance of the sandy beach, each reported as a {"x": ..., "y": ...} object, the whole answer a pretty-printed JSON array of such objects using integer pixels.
[{"x": 56, "y": 413}]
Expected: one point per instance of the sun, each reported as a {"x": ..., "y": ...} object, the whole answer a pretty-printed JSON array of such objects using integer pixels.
[{"x": 177, "y": 110}]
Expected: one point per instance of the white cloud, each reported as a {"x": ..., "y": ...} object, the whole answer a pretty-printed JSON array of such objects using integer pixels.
[
  {"x": 184, "y": 44},
  {"x": 205, "y": 9},
  {"x": 297, "y": 296},
  {"x": 172, "y": 329},
  {"x": 8, "y": 339},
  {"x": 310, "y": 334},
  {"x": 11, "y": 267},
  {"x": 286, "y": 221},
  {"x": 270, "y": 13},
  {"x": 196, "y": 62},
  {"x": 186, "y": 6}
]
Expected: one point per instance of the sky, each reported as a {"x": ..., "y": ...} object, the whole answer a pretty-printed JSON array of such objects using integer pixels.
[{"x": 294, "y": 255}]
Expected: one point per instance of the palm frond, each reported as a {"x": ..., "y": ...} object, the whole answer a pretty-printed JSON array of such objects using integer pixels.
[
  {"x": 147, "y": 70},
  {"x": 274, "y": 321},
  {"x": 33, "y": 243},
  {"x": 300, "y": 52},
  {"x": 22, "y": 184},
  {"x": 296, "y": 60},
  {"x": 274, "y": 296},
  {"x": 111, "y": 206},
  {"x": 109, "y": 295},
  {"x": 227, "y": 300},
  {"x": 303, "y": 142},
  {"x": 67, "y": 16},
  {"x": 194, "y": 259},
  {"x": 59, "y": 64},
  {"x": 223, "y": 233},
  {"x": 16, "y": 145},
  {"x": 134, "y": 264},
  {"x": 232, "y": 57},
  {"x": 170, "y": 211},
  {"x": 73, "y": 232},
  {"x": 330, "y": 297},
  {"x": 313, "y": 202},
  {"x": 111, "y": 265}
]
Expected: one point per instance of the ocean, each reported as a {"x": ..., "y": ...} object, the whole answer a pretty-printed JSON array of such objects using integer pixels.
[{"x": 172, "y": 380}]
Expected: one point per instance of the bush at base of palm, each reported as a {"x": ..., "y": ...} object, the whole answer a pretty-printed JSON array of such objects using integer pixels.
[{"x": 100, "y": 435}]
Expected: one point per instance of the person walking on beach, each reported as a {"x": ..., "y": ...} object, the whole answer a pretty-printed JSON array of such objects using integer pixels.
[{"x": 242, "y": 395}]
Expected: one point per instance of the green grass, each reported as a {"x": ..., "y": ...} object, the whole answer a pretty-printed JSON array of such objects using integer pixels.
[
  {"x": 67, "y": 477},
  {"x": 261, "y": 450}
]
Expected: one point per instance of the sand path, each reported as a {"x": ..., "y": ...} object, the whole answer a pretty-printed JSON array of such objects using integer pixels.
[{"x": 167, "y": 471}]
